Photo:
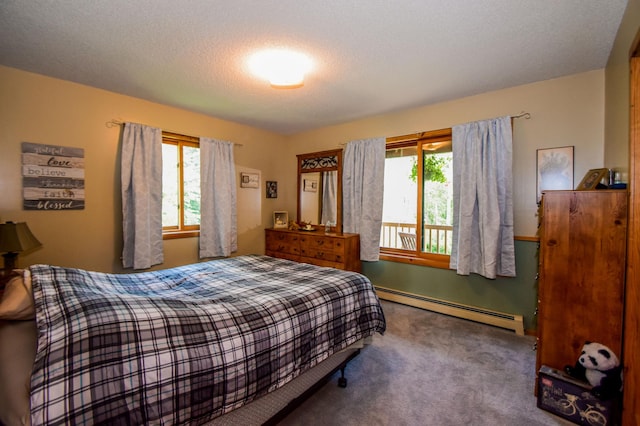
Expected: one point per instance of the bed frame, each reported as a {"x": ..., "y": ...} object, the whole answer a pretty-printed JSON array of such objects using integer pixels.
[{"x": 272, "y": 408}]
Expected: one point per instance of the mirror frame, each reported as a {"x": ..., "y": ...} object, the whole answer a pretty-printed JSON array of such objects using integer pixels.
[{"x": 312, "y": 162}]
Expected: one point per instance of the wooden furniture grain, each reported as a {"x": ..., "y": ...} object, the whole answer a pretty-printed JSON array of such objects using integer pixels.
[
  {"x": 581, "y": 273},
  {"x": 631, "y": 397},
  {"x": 340, "y": 251}
]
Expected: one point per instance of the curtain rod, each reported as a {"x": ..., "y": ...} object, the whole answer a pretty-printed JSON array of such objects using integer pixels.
[
  {"x": 523, "y": 114},
  {"x": 117, "y": 123},
  {"x": 419, "y": 135}
]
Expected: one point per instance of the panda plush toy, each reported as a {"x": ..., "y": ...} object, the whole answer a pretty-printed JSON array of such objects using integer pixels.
[{"x": 599, "y": 366}]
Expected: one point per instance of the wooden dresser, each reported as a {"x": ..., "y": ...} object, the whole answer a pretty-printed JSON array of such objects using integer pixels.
[
  {"x": 341, "y": 251},
  {"x": 581, "y": 273}
]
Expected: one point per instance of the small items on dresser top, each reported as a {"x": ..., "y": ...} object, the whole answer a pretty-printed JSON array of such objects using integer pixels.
[{"x": 301, "y": 226}]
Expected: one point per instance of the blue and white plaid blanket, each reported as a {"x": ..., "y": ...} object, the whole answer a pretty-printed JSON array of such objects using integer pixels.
[{"x": 187, "y": 344}]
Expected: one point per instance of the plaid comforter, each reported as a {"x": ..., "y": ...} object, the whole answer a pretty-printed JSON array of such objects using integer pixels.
[{"x": 185, "y": 345}]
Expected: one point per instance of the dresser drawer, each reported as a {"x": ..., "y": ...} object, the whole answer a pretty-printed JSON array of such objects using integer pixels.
[
  {"x": 283, "y": 243},
  {"x": 322, "y": 262},
  {"x": 322, "y": 243},
  {"x": 287, "y": 237},
  {"x": 319, "y": 253}
]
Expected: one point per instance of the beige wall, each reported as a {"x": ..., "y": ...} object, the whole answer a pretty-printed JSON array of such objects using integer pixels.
[
  {"x": 34, "y": 108},
  {"x": 617, "y": 90},
  {"x": 44, "y": 110},
  {"x": 564, "y": 111}
]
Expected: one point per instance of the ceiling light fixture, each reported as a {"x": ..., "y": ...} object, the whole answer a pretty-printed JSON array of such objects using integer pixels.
[{"x": 284, "y": 69}]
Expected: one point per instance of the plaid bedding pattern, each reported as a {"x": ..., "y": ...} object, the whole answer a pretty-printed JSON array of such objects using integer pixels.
[{"x": 187, "y": 344}]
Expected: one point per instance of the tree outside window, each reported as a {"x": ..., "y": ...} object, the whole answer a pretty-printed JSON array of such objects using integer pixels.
[{"x": 418, "y": 198}]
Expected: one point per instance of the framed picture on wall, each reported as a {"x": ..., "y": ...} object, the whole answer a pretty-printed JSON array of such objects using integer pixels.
[
  {"x": 272, "y": 189},
  {"x": 249, "y": 180},
  {"x": 280, "y": 219},
  {"x": 554, "y": 167}
]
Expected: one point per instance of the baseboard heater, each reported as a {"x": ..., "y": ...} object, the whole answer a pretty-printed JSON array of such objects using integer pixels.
[{"x": 473, "y": 313}]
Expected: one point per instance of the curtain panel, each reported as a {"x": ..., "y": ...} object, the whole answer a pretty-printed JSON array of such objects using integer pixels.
[
  {"x": 483, "y": 199},
  {"x": 329, "y": 197},
  {"x": 218, "y": 209},
  {"x": 141, "y": 185},
  {"x": 362, "y": 193}
]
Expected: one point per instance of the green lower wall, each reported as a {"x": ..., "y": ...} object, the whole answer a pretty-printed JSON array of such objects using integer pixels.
[{"x": 511, "y": 295}]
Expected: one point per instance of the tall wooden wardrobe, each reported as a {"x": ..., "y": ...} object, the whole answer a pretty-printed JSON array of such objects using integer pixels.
[
  {"x": 631, "y": 403},
  {"x": 581, "y": 273}
]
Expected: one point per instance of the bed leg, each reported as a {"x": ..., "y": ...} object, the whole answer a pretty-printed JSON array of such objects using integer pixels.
[{"x": 342, "y": 381}]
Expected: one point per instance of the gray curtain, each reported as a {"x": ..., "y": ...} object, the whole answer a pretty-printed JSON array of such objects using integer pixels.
[
  {"x": 482, "y": 199},
  {"x": 329, "y": 197},
  {"x": 362, "y": 193},
  {"x": 218, "y": 211},
  {"x": 141, "y": 181}
]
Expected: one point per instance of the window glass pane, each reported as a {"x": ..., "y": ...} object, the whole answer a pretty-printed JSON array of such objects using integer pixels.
[
  {"x": 400, "y": 196},
  {"x": 437, "y": 208},
  {"x": 191, "y": 177},
  {"x": 170, "y": 183}
]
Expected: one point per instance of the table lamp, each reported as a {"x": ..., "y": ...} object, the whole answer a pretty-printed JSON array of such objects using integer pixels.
[{"x": 14, "y": 238}]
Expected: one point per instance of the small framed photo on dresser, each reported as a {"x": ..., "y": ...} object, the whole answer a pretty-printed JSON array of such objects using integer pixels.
[
  {"x": 280, "y": 219},
  {"x": 591, "y": 179}
]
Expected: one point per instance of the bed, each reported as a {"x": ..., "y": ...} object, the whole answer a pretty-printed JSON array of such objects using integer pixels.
[{"x": 195, "y": 344}]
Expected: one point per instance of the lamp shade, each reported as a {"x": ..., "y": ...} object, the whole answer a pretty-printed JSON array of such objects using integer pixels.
[{"x": 16, "y": 237}]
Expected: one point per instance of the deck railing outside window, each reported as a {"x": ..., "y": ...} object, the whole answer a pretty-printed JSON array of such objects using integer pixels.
[{"x": 437, "y": 238}]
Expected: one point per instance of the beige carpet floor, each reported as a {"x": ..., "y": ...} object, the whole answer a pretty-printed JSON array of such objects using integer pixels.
[{"x": 432, "y": 369}]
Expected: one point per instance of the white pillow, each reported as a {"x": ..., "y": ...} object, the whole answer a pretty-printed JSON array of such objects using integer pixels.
[{"x": 17, "y": 299}]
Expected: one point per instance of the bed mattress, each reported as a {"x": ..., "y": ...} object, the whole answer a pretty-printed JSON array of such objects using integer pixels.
[
  {"x": 18, "y": 349},
  {"x": 186, "y": 345}
]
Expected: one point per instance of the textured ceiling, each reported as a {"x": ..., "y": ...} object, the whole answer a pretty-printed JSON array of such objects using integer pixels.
[{"x": 370, "y": 56}]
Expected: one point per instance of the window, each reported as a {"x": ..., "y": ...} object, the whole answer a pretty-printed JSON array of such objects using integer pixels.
[
  {"x": 180, "y": 185},
  {"x": 417, "y": 213}
]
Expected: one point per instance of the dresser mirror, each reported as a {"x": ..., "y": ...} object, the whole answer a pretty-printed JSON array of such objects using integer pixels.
[{"x": 320, "y": 188}]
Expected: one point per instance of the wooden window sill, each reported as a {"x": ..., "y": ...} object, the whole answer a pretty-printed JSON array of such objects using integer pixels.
[
  {"x": 170, "y": 235},
  {"x": 435, "y": 260}
]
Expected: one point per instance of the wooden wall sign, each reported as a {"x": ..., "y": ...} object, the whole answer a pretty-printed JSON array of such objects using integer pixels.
[{"x": 52, "y": 177}]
